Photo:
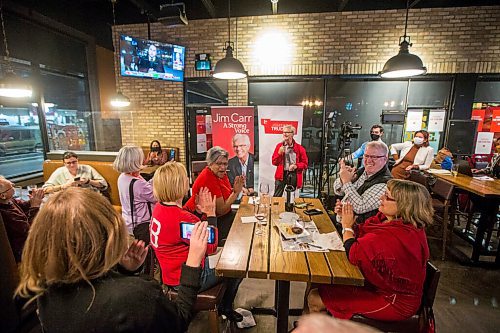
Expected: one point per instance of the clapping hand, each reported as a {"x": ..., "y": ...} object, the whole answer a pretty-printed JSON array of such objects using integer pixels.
[
  {"x": 135, "y": 256},
  {"x": 36, "y": 197},
  {"x": 205, "y": 203},
  {"x": 346, "y": 173},
  {"x": 197, "y": 244},
  {"x": 239, "y": 182},
  {"x": 347, "y": 215}
]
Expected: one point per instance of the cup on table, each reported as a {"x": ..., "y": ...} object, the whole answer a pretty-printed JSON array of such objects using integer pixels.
[
  {"x": 264, "y": 193},
  {"x": 260, "y": 215},
  {"x": 454, "y": 169}
]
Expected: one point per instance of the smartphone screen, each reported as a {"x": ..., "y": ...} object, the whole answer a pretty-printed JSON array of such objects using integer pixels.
[
  {"x": 187, "y": 229},
  {"x": 76, "y": 179}
]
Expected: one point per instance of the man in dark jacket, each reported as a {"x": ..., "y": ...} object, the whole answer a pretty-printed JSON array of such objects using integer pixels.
[
  {"x": 242, "y": 162},
  {"x": 17, "y": 214},
  {"x": 364, "y": 187}
]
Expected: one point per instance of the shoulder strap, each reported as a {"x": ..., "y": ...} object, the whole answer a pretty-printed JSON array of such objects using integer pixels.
[{"x": 131, "y": 196}]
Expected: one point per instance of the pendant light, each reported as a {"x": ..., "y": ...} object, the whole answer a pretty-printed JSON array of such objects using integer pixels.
[
  {"x": 404, "y": 64},
  {"x": 229, "y": 68},
  {"x": 118, "y": 100},
  {"x": 11, "y": 85}
]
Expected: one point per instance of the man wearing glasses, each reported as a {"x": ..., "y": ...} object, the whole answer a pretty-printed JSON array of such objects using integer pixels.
[
  {"x": 290, "y": 158},
  {"x": 242, "y": 163},
  {"x": 17, "y": 215},
  {"x": 74, "y": 174},
  {"x": 376, "y": 133},
  {"x": 364, "y": 187}
]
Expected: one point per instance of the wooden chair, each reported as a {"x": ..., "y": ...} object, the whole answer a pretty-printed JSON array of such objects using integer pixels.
[
  {"x": 13, "y": 317},
  {"x": 442, "y": 199},
  {"x": 208, "y": 300},
  {"x": 419, "y": 322},
  {"x": 421, "y": 178}
]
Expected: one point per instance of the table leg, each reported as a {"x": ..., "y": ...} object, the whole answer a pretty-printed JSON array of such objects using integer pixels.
[
  {"x": 282, "y": 307},
  {"x": 486, "y": 221}
]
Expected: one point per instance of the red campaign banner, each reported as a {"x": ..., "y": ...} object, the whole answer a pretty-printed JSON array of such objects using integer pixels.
[
  {"x": 478, "y": 114},
  {"x": 276, "y": 126},
  {"x": 495, "y": 120},
  {"x": 227, "y": 121}
]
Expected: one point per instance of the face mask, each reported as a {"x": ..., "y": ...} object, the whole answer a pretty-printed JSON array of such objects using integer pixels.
[
  {"x": 374, "y": 137},
  {"x": 157, "y": 149},
  {"x": 418, "y": 141}
]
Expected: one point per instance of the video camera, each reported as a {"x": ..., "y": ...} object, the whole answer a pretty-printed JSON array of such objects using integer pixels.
[{"x": 347, "y": 132}]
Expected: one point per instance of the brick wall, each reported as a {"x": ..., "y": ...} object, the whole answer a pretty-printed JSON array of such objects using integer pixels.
[{"x": 450, "y": 40}]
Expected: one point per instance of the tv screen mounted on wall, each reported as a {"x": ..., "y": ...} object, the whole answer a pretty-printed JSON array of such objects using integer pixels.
[{"x": 150, "y": 59}]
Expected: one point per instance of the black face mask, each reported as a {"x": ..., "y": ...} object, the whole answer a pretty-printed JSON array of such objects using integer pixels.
[
  {"x": 374, "y": 137},
  {"x": 157, "y": 149}
]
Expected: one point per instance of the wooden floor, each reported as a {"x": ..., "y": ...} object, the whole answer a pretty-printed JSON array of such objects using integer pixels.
[{"x": 466, "y": 301}]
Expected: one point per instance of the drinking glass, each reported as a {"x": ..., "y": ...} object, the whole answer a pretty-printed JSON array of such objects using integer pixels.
[
  {"x": 31, "y": 187},
  {"x": 454, "y": 169},
  {"x": 264, "y": 192},
  {"x": 260, "y": 215},
  {"x": 18, "y": 191}
]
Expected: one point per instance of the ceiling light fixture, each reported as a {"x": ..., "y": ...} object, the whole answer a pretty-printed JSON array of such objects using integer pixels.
[
  {"x": 118, "y": 100},
  {"x": 229, "y": 68},
  {"x": 404, "y": 64},
  {"x": 11, "y": 85}
]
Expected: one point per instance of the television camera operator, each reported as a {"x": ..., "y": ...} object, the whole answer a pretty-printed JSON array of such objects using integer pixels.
[{"x": 376, "y": 133}]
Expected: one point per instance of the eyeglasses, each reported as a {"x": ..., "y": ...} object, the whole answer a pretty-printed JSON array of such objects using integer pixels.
[
  {"x": 373, "y": 157},
  {"x": 10, "y": 188},
  {"x": 219, "y": 164},
  {"x": 239, "y": 146},
  {"x": 386, "y": 197},
  {"x": 71, "y": 162},
  {"x": 290, "y": 132}
]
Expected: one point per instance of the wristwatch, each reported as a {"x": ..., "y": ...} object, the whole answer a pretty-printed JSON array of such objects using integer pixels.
[{"x": 347, "y": 229}]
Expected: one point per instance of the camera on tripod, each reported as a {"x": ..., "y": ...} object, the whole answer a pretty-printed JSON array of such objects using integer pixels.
[{"x": 347, "y": 132}]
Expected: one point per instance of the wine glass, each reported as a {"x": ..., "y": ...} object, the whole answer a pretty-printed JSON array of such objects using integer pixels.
[
  {"x": 264, "y": 191},
  {"x": 260, "y": 215}
]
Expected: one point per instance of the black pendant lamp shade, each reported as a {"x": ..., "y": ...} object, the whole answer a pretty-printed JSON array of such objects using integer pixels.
[
  {"x": 404, "y": 64},
  {"x": 229, "y": 68}
]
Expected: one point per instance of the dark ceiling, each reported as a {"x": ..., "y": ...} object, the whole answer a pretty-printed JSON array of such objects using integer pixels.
[{"x": 94, "y": 17}]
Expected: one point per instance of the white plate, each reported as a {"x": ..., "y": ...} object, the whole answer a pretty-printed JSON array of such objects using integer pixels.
[
  {"x": 286, "y": 230},
  {"x": 288, "y": 217}
]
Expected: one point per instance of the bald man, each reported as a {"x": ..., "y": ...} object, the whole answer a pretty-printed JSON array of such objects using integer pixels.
[{"x": 17, "y": 215}]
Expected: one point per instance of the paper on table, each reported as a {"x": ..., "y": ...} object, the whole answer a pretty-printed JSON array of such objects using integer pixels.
[
  {"x": 439, "y": 171},
  {"x": 483, "y": 178},
  {"x": 253, "y": 200},
  {"x": 330, "y": 241},
  {"x": 249, "y": 219}
]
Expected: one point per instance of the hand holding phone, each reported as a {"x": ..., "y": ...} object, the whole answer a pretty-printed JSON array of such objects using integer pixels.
[
  {"x": 187, "y": 231},
  {"x": 76, "y": 179}
]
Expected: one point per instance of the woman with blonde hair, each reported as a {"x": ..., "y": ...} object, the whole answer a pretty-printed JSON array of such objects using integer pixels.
[
  {"x": 391, "y": 251},
  {"x": 76, "y": 242},
  {"x": 171, "y": 184}
]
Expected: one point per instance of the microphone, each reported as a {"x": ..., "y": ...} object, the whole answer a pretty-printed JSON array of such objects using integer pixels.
[{"x": 284, "y": 143}]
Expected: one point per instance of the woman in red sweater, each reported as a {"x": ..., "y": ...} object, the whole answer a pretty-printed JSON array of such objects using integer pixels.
[
  {"x": 170, "y": 185},
  {"x": 391, "y": 251}
]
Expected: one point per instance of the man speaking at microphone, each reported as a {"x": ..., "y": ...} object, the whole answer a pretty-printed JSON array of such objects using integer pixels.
[{"x": 290, "y": 158}]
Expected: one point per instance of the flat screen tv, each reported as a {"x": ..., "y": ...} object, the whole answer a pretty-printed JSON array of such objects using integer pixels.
[{"x": 150, "y": 59}]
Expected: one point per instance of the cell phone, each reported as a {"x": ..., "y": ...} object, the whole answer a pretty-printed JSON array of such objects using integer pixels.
[
  {"x": 76, "y": 179},
  {"x": 313, "y": 211},
  {"x": 187, "y": 230}
]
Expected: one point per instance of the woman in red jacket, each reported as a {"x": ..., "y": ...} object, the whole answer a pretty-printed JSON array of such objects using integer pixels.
[
  {"x": 170, "y": 185},
  {"x": 391, "y": 251}
]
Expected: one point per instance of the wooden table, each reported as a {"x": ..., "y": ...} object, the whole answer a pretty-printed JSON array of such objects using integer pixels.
[
  {"x": 489, "y": 190},
  {"x": 261, "y": 256}
]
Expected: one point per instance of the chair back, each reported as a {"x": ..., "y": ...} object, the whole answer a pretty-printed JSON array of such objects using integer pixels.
[
  {"x": 431, "y": 282},
  {"x": 442, "y": 189},
  {"x": 421, "y": 178},
  {"x": 9, "y": 278}
]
